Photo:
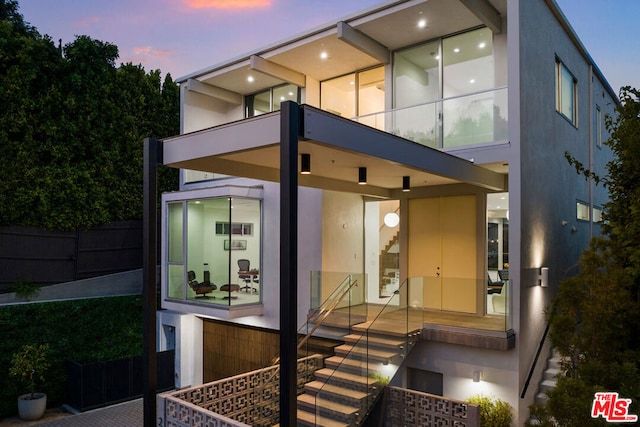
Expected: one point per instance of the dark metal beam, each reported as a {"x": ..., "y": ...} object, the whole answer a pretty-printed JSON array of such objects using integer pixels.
[
  {"x": 289, "y": 131},
  {"x": 152, "y": 158}
]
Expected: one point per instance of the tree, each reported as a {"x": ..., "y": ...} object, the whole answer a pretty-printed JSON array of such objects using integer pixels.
[
  {"x": 72, "y": 128},
  {"x": 595, "y": 319}
]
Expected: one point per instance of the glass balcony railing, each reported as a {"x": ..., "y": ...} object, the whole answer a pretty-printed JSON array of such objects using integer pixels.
[{"x": 477, "y": 118}]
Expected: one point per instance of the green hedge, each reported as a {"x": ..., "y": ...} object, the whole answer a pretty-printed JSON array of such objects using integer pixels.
[{"x": 88, "y": 330}]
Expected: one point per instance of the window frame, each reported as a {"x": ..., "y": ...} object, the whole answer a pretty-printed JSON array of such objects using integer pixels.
[{"x": 563, "y": 73}]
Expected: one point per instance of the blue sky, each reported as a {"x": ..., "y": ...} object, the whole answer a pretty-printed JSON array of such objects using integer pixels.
[{"x": 183, "y": 36}]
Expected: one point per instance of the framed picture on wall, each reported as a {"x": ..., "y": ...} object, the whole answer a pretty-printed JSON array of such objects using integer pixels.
[{"x": 235, "y": 245}]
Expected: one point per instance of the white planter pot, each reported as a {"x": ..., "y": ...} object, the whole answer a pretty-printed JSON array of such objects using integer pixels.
[{"x": 32, "y": 409}]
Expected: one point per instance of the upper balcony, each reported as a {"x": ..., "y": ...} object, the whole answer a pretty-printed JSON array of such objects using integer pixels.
[{"x": 437, "y": 62}]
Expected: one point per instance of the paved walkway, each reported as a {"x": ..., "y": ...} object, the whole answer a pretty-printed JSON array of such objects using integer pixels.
[{"x": 127, "y": 414}]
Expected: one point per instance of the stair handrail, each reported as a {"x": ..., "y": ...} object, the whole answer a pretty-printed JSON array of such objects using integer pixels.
[
  {"x": 535, "y": 361},
  {"x": 341, "y": 294}
]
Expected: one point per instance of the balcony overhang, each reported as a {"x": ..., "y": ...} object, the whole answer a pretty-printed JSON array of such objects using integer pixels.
[{"x": 337, "y": 146}]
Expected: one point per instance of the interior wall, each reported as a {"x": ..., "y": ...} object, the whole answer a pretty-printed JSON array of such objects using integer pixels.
[{"x": 342, "y": 232}]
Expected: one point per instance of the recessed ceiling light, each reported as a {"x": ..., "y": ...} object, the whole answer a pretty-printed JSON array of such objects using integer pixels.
[
  {"x": 456, "y": 50},
  {"x": 472, "y": 81},
  {"x": 250, "y": 79},
  {"x": 282, "y": 98},
  {"x": 324, "y": 55},
  {"x": 437, "y": 56},
  {"x": 422, "y": 23},
  {"x": 290, "y": 93},
  {"x": 482, "y": 45}
]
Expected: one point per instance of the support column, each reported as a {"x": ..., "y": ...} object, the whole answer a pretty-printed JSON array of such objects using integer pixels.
[
  {"x": 152, "y": 158},
  {"x": 289, "y": 128}
]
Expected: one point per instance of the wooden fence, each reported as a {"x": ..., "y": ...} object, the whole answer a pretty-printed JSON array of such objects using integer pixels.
[{"x": 42, "y": 257}]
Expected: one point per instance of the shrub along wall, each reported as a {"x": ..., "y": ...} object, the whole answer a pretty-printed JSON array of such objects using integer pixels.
[{"x": 87, "y": 330}]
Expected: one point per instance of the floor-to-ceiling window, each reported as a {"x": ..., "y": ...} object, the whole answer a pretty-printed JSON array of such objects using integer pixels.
[
  {"x": 497, "y": 253},
  {"x": 214, "y": 250},
  {"x": 358, "y": 94},
  {"x": 445, "y": 92}
]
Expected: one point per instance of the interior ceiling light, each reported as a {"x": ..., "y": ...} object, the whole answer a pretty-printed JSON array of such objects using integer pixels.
[
  {"x": 324, "y": 55},
  {"x": 422, "y": 23},
  {"x": 250, "y": 79},
  {"x": 482, "y": 45},
  {"x": 456, "y": 50},
  {"x": 391, "y": 219}
]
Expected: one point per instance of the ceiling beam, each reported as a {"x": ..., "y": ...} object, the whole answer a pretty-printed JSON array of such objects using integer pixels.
[
  {"x": 278, "y": 71},
  {"x": 363, "y": 42},
  {"x": 486, "y": 13},
  {"x": 194, "y": 85}
]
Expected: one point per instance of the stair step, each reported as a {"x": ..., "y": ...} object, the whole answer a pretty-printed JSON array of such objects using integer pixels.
[
  {"x": 312, "y": 420},
  {"x": 350, "y": 365},
  {"x": 377, "y": 355},
  {"x": 547, "y": 385},
  {"x": 388, "y": 327},
  {"x": 360, "y": 381},
  {"x": 346, "y": 395},
  {"x": 328, "y": 408},
  {"x": 551, "y": 374},
  {"x": 376, "y": 341},
  {"x": 336, "y": 320},
  {"x": 541, "y": 399}
]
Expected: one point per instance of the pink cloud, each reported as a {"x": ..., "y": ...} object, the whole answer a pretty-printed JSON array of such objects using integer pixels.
[
  {"x": 227, "y": 4},
  {"x": 86, "y": 22},
  {"x": 148, "y": 55}
]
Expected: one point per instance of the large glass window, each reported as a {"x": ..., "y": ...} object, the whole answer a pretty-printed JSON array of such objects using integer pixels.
[
  {"x": 444, "y": 92},
  {"x": 270, "y": 99},
  {"x": 356, "y": 94},
  {"x": 566, "y": 93},
  {"x": 222, "y": 237}
]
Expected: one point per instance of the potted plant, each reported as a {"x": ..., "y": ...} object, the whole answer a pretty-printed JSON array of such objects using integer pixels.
[{"x": 29, "y": 365}]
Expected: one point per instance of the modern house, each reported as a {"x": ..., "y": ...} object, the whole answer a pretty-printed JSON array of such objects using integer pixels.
[{"x": 403, "y": 170}]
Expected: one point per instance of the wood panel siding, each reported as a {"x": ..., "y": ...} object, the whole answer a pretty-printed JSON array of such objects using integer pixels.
[{"x": 231, "y": 349}]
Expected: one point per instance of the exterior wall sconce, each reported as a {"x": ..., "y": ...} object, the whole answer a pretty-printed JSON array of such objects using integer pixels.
[
  {"x": 544, "y": 277},
  {"x": 476, "y": 376},
  {"x": 362, "y": 176},
  {"x": 305, "y": 164},
  {"x": 406, "y": 183}
]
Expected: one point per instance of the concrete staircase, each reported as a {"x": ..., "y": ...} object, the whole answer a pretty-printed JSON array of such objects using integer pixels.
[
  {"x": 549, "y": 378},
  {"x": 349, "y": 384}
]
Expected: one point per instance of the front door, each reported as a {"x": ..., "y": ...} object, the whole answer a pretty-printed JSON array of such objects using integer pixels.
[{"x": 442, "y": 250}]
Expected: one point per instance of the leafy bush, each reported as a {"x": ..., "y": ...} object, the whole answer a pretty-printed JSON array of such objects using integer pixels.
[
  {"x": 29, "y": 364},
  {"x": 493, "y": 412},
  {"x": 25, "y": 290},
  {"x": 88, "y": 330}
]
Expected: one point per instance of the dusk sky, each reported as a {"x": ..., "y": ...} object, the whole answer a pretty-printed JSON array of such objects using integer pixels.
[{"x": 183, "y": 36}]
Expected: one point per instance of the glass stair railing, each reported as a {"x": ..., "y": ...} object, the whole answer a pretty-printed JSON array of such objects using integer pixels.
[
  {"x": 342, "y": 298},
  {"x": 351, "y": 382}
]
